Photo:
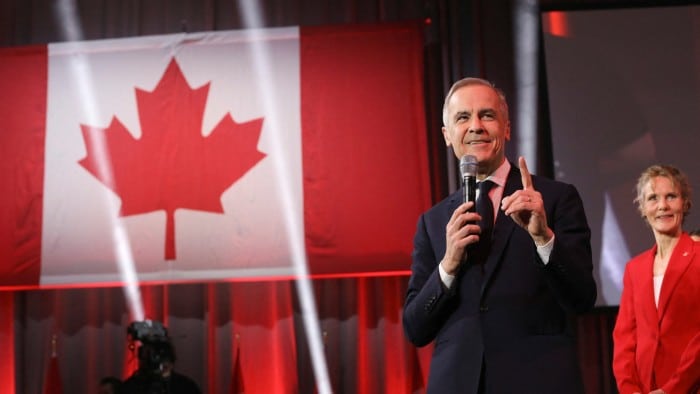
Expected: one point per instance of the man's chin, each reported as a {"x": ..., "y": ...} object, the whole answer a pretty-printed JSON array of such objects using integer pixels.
[
  {"x": 482, "y": 155},
  {"x": 488, "y": 163}
]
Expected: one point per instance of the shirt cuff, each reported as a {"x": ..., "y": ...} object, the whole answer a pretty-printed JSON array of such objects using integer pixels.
[
  {"x": 446, "y": 278},
  {"x": 546, "y": 250}
]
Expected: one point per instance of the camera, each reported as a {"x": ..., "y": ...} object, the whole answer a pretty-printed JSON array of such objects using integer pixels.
[
  {"x": 155, "y": 348},
  {"x": 156, "y": 357}
]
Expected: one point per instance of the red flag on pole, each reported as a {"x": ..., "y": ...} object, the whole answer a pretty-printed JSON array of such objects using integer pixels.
[
  {"x": 52, "y": 383},
  {"x": 237, "y": 383},
  {"x": 131, "y": 360}
]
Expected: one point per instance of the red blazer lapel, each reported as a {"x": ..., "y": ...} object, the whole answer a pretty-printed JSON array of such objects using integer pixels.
[
  {"x": 645, "y": 275},
  {"x": 678, "y": 264}
]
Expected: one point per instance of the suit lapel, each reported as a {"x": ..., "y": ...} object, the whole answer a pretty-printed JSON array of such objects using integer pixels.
[
  {"x": 678, "y": 264},
  {"x": 502, "y": 230},
  {"x": 455, "y": 201},
  {"x": 645, "y": 275}
]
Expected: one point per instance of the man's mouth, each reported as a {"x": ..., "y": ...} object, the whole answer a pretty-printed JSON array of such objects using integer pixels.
[{"x": 478, "y": 142}]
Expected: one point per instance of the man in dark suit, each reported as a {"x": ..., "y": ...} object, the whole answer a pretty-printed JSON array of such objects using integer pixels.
[{"x": 497, "y": 296}]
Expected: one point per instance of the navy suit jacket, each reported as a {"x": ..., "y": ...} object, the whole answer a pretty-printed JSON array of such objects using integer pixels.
[{"x": 512, "y": 315}]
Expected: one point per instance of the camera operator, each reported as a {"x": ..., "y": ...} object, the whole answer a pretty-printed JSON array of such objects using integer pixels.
[{"x": 156, "y": 372}]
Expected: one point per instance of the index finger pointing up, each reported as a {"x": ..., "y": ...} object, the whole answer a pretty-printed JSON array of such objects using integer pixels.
[{"x": 525, "y": 174}]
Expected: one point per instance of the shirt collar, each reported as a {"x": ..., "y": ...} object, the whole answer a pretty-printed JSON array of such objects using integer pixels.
[{"x": 501, "y": 174}]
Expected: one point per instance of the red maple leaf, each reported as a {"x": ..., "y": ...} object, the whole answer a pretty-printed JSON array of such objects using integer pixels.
[{"x": 172, "y": 165}]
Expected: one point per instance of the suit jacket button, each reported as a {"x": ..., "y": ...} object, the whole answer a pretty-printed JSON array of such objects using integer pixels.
[{"x": 484, "y": 308}]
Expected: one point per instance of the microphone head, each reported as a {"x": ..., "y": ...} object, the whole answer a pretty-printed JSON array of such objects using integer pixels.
[{"x": 468, "y": 166}]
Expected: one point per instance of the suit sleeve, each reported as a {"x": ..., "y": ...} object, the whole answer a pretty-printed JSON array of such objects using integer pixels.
[
  {"x": 686, "y": 379},
  {"x": 625, "y": 341},
  {"x": 427, "y": 302},
  {"x": 569, "y": 271}
]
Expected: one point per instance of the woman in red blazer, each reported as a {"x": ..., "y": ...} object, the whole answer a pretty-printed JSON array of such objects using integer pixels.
[{"x": 657, "y": 333}]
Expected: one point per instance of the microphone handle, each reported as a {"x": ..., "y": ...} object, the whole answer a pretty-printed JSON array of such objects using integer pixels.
[{"x": 469, "y": 190}]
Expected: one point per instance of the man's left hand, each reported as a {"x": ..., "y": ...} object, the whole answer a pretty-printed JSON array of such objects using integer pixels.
[{"x": 526, "y": 208}]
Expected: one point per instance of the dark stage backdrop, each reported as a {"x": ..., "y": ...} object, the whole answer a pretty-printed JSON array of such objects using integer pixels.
[
  {"x": 624, "y": 93},
  {"x": 248, "y": 336}
]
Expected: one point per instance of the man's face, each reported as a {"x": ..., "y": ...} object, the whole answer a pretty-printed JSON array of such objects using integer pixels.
[{"x": 477, "y": 125}]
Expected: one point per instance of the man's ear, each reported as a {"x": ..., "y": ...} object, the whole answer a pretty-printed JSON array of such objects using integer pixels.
[{"x": 446, "y": 136}]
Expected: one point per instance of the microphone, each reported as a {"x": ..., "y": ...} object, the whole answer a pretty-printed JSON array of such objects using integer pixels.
[{"x": 467, "y": 166}]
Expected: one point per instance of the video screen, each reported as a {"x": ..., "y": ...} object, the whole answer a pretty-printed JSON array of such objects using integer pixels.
[{"x": 624, "y": 93}]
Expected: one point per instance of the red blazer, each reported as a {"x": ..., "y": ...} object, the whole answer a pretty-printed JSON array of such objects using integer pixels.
[{"x": 660, "y": 348}]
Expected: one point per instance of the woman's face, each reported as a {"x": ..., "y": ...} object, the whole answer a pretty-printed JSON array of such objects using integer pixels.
[{"x": 662, "y": 206}]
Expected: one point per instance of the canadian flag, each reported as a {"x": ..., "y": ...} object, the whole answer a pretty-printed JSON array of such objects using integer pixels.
[{"x": 212, "y": 155}]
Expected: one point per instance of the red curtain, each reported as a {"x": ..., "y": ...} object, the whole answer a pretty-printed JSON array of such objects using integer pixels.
[
  {"x": 7, "y": 342},
  {"x": 242, "y": 337},
  {"x": 228, "y": 336}
]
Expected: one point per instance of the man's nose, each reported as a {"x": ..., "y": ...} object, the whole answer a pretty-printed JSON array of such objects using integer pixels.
[{"x": 475, "y": 125}]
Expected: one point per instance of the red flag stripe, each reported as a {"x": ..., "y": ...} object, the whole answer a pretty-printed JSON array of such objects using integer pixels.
[
  {"x": 364, "y": 142},
  {"x": 23, "y": 114}
]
